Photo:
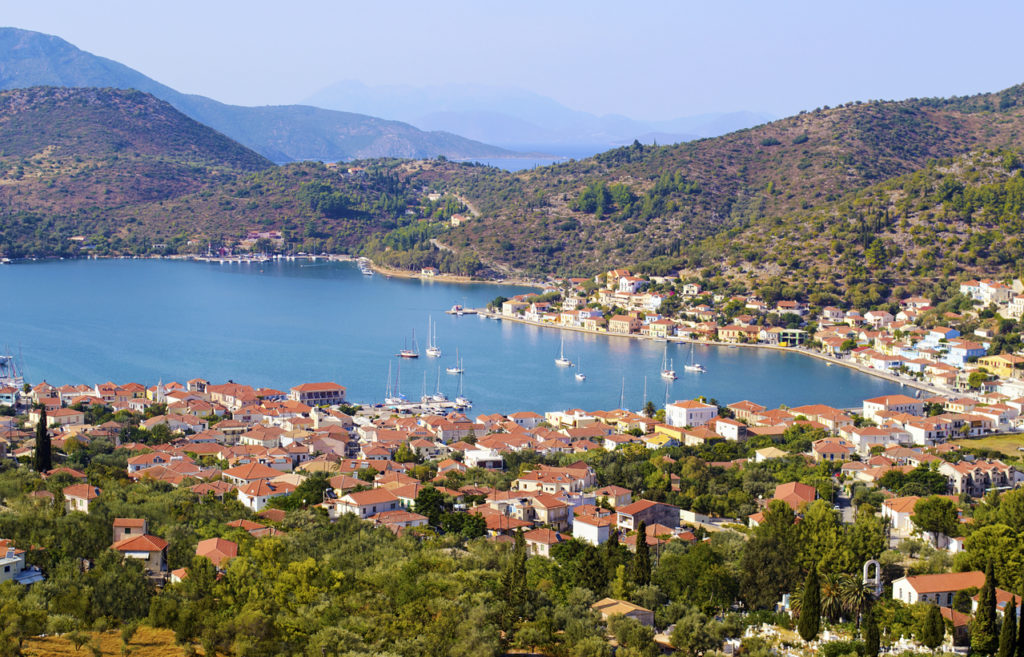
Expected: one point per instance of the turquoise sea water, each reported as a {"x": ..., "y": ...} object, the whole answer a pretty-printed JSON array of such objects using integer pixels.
[{"x": 279, "y": 324}]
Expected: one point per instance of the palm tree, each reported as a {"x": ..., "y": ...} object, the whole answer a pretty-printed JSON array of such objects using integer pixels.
[
  {"x": 832, "y": 597},
  {"x": 856, "y": 596}
]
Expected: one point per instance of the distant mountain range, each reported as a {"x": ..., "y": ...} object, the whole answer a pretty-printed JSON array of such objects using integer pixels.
[
  {"x": 519, "y": 119},
  {"x": 280, "y": 133}
]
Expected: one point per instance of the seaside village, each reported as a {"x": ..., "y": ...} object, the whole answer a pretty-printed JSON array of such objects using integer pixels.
[
  {"x": 916, "y": 341},
  {"x": 534, "y": 474}
]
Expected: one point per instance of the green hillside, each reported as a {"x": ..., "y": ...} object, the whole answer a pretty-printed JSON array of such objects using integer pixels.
[
  {"x": 854, "y": 201},
  {"x": 637, "y": 203}
]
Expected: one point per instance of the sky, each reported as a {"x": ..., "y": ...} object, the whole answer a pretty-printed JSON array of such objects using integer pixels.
[{"x": 645, "y": 60}]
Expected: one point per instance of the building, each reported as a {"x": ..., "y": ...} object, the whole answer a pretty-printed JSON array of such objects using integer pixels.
[
  {"x": 630, "y": 516},
  {"x": 77, "y": 497},
  {"x": 150, "y": 550},
  {"x": 539, "y": 541},
  {"x": 609, "y": 607},
  {"x": 937, "y": 589},
  {"x": 592, "y": 529},
  {"x": 892, "y": 404},
  {"x": 129, "y": 528},
  {"x": 977, "y": 477},
  {"x": 218, "y": 550},
  {"x": 318, "y": 394},
  {"x": 363, "y": 504},
  {"x": 690, "y": 413}
]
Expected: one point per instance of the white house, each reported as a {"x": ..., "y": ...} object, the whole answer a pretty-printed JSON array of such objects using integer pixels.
[
  {"x": 892, "y": 403},
  {"x": 592, "y": 529},
  {"x": 937, "y": 589},
  {"x": 363, "y": 504},
  {"x": 690, "y": 413}
]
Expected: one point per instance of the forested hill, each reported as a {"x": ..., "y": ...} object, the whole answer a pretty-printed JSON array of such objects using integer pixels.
[
  {"x": 282, "y": 133},
  {"x": 636, "y": 203}
]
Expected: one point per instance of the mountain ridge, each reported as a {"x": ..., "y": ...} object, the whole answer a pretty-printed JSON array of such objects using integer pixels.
[
  {"x": 516, "y": 118},
  {"x": 280, "y": 133}
]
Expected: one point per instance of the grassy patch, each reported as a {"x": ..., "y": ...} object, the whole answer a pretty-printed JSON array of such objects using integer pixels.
[
  {"x": 147, "y": 642},
  {"x": 1006, "y": 444}
]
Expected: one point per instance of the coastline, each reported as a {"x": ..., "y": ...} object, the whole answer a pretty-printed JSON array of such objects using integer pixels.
[
  {"x": 453, "y": 278},
  {"x": 892, "y": 378}
]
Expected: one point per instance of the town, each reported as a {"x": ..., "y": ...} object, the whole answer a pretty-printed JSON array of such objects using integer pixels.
[
  {"x": 964, "y": 344},
  {"x": 911, "y": 488}
]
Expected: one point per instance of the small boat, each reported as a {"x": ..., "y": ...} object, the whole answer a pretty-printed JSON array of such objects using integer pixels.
[
  {"x": 457, "y": 367},
  {"x": 667, "y": 367},
  {"x": 433, "y": 351},
  {"x": 406, "y": 352},
  {"x": 457, "y": 310},
  {"x": 580, "y": 376},
  {"x": 562, "y": 361},
  {"x": 692, "y": 366}
]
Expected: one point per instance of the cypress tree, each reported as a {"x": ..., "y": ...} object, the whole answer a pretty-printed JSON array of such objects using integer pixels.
[
  {"x": 44, "y": 456},
  {"x": 984, "y": 639},
  {"x": 1008, "y": 633},
  {"x": 810, "y": 607},
  {"x": 872, "y": 639},
  {"x": 513, "y": 583},
  {"x": 933, "y": 631},
  {"x": 642, "y": 559},
  {"x": 1020, "y": 636}
]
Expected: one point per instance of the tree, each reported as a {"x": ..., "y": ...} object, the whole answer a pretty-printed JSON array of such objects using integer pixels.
[
  {"x": 513, "y": 583},
  {"x": 768, "y": 563},
  {"x": 431, "y": 503},
  {"x": 44, "y": 453},
  {"x": 649, "y": 409},
  {"x": 642, "y": 558},
  {"x": 810, "y": 607},
  {"x": 1008, "y": 633},
  {"x": 692, "y": 635},
  {"x": 1020, "y": 636},
  {"x": 983, "y": 628},
  {"x": 936, "y": 515},
  {"x": 871, "y": 634},
  {"x": 932, "y": 630}
]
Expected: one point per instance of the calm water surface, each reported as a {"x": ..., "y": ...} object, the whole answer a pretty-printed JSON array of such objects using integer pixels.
[{"x": 279, "y": 324}]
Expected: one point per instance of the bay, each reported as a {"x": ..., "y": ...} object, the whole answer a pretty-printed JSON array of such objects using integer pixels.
[{"x": 281, "y": 323}]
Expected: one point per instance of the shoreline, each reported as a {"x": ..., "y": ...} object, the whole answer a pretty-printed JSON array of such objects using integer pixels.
[
  {"x": 452, "y": 278},
  {"x": 886, "y": 376}
]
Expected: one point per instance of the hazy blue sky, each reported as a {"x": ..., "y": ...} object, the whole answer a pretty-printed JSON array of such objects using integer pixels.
[{"x": 651, "y": 60}]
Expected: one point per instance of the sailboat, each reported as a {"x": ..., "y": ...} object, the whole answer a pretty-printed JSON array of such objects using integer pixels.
[
  {"x": 693, "y": 367},
  {"x": 580, "y": 376},
  {"x": 461, "y": 401},
  {"x": 457, "y": 367},
  {"x": 410, "y": 353},
  {"x": 667, "y": 367},
  {"x": 562, "y": 361},
  {"x": 392, "y": 398},
  {"x": 438, "y": 396},
  {"x": 433, "y": 351}
]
